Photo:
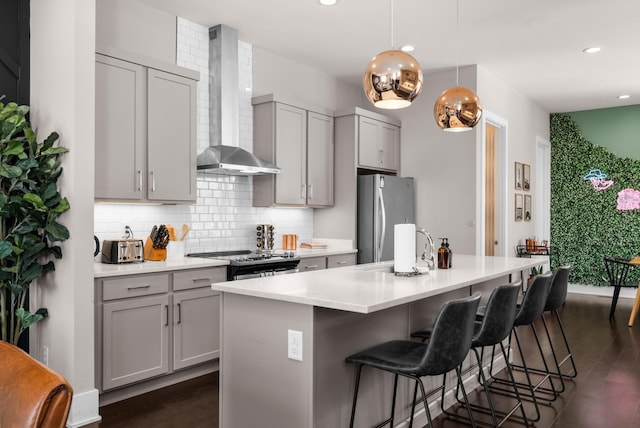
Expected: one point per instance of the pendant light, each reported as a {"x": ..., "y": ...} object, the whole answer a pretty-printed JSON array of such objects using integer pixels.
[
  {"x": 393, "y": 78},
  {"x": 457, "y": 109}
]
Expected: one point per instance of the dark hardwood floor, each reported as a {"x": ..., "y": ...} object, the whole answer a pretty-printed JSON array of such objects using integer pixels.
[{"x": 606, "y": 392}]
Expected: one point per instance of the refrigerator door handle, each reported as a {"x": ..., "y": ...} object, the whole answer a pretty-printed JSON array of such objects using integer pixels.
[{"x": 383, "y": 230}]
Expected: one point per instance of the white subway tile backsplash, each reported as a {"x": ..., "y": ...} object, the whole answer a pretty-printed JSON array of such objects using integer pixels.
[{"x": 223, "y": 217}]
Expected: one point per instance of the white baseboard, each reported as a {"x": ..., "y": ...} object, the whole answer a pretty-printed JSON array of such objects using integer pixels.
[
  {"x": 625, "y": 293},
  {"x": 84, "y": 409}
]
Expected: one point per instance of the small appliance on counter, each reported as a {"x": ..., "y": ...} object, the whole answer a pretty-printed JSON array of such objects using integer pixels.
[{"x": 122, "y": 251}]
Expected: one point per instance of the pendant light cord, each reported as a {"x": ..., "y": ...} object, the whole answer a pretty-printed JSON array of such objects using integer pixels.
[
  {"x": 457, "y": 42},
  {"x": 392, "y": 45}
]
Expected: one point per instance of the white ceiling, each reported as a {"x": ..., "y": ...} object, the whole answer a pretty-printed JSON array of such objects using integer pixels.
[{"x": 534, "y": 46}]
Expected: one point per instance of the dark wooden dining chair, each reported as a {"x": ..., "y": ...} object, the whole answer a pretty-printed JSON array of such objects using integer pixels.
[{"x": 617, "y": 271}]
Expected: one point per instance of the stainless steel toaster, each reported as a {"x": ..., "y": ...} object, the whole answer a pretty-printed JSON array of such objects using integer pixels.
[{"x": 122, "y": 251}]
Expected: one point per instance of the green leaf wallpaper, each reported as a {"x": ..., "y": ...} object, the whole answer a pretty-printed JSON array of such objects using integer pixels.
[{"x": 585, "y": 224}]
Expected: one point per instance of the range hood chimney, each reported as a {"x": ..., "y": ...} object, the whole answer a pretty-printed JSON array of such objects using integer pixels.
[{"x": 225, "y": 156}]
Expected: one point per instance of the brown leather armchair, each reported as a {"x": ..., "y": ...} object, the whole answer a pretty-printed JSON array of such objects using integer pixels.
[{"x": 32, "y": 395}]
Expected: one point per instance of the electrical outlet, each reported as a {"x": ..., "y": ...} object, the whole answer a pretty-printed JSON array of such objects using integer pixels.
[
  {"x": 294, "y": 345},
  {"x": 45, "y": 355}
]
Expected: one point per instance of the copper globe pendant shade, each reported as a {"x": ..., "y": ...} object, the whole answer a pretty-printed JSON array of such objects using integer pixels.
[
  {"x": 457, "y": 109},
  {"x": 393, "y": 78}
]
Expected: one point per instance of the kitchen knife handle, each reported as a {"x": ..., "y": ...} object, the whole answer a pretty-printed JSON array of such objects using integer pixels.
[
  {"x": 139, "y": 180},
  {"x": 179, "y": 313},
  {"x": 153, "y": 182}
]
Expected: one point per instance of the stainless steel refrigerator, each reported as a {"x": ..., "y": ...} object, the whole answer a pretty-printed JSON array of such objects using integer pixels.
[{"x": 383, "y": 201}]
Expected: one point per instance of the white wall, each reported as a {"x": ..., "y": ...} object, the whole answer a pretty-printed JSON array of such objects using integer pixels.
[
  {"x": 62, "y": 99},
  {"x": 295, "y": 81},
  {"x": 527, "y": 120},
  {"x": 137, "y": 28},
  {"x": 443, "y": 165}
]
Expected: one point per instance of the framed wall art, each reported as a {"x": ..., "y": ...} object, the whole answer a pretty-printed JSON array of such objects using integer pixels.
[
  {"x": 518, "y": 175},
  {"x": 518, "y": 210},
  {"x": 526, "y": 176},
  {"x": 527, "y": 207}
]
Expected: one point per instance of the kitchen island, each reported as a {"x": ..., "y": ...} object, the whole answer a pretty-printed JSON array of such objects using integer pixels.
[{"x": 338, "y": 312}]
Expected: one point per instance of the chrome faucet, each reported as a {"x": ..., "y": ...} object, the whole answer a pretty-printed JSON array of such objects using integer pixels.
[{"x": 428, "y": 254}]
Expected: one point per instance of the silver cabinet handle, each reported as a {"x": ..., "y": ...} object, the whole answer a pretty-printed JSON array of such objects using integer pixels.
[
  {"x": 311, "y": 267},
  {"x": 310, "y": 191},
  {"x": 153, "y": 182},
  {"x": 140, "y": 180},
  {"x": 342, "y": 262},
  {"x": 179, "y": 313},
  {"x": 142, "y": 287},
  {"x": 303, "y": 192},
  {"x": 166, "y": 310},
  {"x": 201, "y": 279}
]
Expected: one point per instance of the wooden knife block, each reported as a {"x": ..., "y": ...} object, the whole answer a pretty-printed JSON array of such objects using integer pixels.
[{"x": 156, "y": 254}]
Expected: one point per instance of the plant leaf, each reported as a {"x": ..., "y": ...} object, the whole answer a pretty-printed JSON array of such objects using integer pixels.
[{"x": 57, "y": 231}]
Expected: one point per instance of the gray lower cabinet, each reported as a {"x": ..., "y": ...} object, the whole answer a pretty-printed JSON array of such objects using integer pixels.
[
  {"x": 150, "y": 325},
  {"x": 326, "y": 262}
]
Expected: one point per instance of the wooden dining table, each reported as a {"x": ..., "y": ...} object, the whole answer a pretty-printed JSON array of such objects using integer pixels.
[{"x": 636, "y": 303}]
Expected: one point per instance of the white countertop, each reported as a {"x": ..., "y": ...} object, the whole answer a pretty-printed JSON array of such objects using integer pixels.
[
  {"x": 103, "y": 270},
  {"x": 373, "y": 287}
]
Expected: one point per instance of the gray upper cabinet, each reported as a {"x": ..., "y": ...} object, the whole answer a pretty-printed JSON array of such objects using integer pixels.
[
  {"x": 378, "y": 144},
  {"x": 300, "y": 142},
  {"x": 145, "y": 147}
]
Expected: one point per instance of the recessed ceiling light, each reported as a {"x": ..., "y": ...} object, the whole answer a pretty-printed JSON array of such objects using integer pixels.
[
  {"x": 327, "y": 2},
  {"x": 407, "y": 48},
  {"x": 592, "y": 49},
  {"x": 624, "y": 97}
]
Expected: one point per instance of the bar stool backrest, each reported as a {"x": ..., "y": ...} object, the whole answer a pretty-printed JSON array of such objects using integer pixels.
[
  {"x": 451, "y": 336},
  {"x": 558, "y": 291},
  {"x": 497, "y": 321},
  {"x": 534, "y": 300}
]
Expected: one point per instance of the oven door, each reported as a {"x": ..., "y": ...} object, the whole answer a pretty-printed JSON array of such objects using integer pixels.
[{"x": 263, "y": 273}]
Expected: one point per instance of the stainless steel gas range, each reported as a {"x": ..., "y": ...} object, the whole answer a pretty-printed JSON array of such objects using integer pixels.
[{"x": 246, "y": 264}]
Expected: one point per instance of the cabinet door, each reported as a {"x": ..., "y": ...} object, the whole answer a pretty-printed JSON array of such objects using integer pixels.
[
  {"x": 390, "y": 146},
  {"x": 312, "y": 263},
  {"x": 319, "y": 160},
  {"x": 341, "y": 260},
  {"x": 135, "y": 343},
  {"x": 120, "y": 129},
  {"x": 196, "y": 327},
  {"x": 291, "y": 155},
  {"x": 171, "y": 137},
  {"x": 369, "y": 148}
]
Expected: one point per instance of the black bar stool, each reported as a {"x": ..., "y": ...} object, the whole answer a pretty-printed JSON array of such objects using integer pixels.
[
  {"x": 556, "y": 299},
  {"x": 531, "y": 308},
  {"x": 448, "y": 346},
  {"x": 494, "y": 328}
]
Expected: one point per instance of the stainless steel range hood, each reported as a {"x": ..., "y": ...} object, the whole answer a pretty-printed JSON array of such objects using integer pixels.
[
  {"x": 224, "y": 156},
  {"x": 230, "y": 160}
]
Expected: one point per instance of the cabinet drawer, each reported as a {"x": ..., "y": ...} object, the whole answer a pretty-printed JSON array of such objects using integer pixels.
[
  {"x": 198, "y": 278},
  {"x": 341, "y": 260},
  {"x": 312, "y": 263},
  {"x": 134, "y": 286}
]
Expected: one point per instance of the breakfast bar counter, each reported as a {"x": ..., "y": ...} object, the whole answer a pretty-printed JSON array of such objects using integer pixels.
[{"x": 333, "y": 313}]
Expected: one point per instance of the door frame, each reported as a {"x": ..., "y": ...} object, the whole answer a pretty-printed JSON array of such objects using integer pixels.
[
  {"x": 502, "y": 125},
  {"x": 542, "y": 190}
]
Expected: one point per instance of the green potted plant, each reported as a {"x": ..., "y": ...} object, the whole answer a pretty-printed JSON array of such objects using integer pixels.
[
  {"x": 536, "y": 270},
  {"x": 30, "y": 205}
]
